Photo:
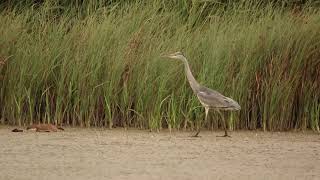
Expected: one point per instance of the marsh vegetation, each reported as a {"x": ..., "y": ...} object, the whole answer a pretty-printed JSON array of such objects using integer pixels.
[{"x": 99, "y": 64}]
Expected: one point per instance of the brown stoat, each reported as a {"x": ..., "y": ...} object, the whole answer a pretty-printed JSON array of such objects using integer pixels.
[{"x": 44, "y": 127}]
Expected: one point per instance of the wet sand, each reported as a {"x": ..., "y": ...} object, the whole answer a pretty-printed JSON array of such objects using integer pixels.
[{"x": 135, "y": 154}]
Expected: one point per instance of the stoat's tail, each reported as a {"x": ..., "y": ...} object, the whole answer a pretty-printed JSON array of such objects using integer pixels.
[
  {"x": 60, "y": 128},
  {"x": 17, "y": 130}
]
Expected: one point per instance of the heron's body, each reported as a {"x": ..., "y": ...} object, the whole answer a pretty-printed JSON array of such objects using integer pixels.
[
  {"x": 213, "y": 99},
  {"x": 210, "y": 99},
  {"x": 44, "y": 127}
]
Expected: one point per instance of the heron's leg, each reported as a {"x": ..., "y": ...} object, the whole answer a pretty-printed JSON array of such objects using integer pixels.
[
  {"x": 205, "y": 119},
  {"x": 224, "y": 126}
]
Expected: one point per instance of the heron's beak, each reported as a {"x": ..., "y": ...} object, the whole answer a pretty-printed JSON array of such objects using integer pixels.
[
  {"x": 167, "y": 56},
  {"x": 164, "y": 55}
]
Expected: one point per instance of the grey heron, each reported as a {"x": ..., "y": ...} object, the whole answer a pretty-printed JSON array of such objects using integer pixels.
[{"x": 209, "y": 99}]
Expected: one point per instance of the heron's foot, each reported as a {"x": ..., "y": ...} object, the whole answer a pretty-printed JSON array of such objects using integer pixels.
[
  {"x": 226, "y": 135},
  {"x": 197, "y": 134}
]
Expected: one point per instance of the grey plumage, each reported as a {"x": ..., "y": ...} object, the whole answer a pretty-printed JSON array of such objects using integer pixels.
[
  {"x": 213, "y": 99},
  {"x": 210, "y": 99}
]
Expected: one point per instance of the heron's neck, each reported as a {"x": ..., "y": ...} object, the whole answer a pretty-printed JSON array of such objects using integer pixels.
[{"x": 193, "y": 82}]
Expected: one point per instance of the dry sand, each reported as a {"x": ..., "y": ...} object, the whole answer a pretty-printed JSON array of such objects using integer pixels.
[{"x": 77, "y": 154}]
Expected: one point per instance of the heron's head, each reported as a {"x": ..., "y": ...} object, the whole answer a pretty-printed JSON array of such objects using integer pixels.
[{"x": 176, "y": 55}]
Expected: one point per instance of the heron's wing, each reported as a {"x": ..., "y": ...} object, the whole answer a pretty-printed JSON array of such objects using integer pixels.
[{"x": 214, "y": 99}]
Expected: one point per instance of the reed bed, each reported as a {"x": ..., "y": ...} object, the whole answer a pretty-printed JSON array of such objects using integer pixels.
[{"x": 101, "y": 65}]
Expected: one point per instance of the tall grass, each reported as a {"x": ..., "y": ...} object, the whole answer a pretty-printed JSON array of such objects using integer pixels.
[{"x": 105, "y": 69}]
